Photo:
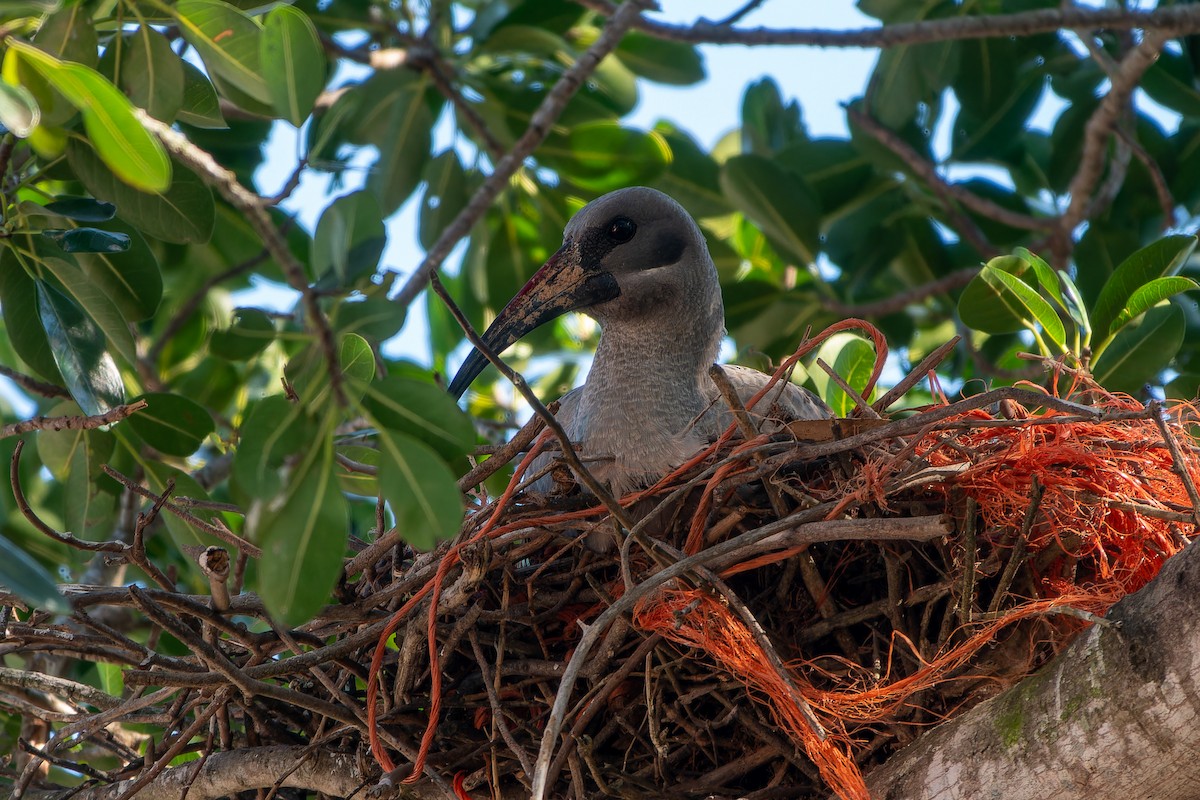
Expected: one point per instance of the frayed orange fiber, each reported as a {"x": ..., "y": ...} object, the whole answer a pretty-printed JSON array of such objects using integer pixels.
[{"x": 695, "y": 618}]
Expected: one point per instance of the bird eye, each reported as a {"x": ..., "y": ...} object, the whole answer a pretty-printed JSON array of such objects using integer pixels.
[{"x": 622, "y": 229}]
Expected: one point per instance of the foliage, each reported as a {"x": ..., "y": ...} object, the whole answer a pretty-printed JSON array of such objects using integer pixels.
[{"x": 124, "y": 254}]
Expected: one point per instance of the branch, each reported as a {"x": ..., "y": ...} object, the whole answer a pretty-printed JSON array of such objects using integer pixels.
[
  {"x": 32, "y": 384},
  {"x": 539, "y": 127},
  {"x": 74, "y": 422},
  {"x": 255, "y": 210},
  {"x": 900, "y": 301},
  {"x": 1121, "y": 702},
  {"x": 1174, "y": 21},
  {"x": 1101, "y": 126}
]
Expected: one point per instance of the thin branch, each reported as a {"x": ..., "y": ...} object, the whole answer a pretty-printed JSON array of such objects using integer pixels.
[
  {"x": 1161, "y": 189},
  {"x": 902, "y": 300},
  {"x": 74, "y": 422},
  {"x": 1174, "y": 20},
  {"x": 14, "y": 476},
  {"x": 539, "y": 127},
  {"x": 255, "y": 210},
  {"x": 32, "y": 384},
  {"x": 1102, "y": 124}
]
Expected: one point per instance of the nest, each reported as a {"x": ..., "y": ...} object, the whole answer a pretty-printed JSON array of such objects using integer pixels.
[{"x": 789, "y": 610}]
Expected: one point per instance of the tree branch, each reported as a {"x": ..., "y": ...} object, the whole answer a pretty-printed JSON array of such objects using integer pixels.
[
  {"x": 539, "y": 127},
  {"x": 1174, "y": 21}
]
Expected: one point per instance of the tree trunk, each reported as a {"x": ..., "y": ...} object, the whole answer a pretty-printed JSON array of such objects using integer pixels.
[{"x": 1115, "y": 717}]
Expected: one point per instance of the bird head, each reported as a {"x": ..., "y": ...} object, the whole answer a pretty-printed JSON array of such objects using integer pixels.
[{"x": 627, "y": 255}]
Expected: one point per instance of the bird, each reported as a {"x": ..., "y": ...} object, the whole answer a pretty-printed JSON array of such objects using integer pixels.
[{"x": 637, "y": 262}]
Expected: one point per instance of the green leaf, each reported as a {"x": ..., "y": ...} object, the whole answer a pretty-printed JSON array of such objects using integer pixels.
[
  {"x": 420, "y": 489},
  {"x": 602, "y": 156},
  {"x": 70, "y": 34},
  {"x": 1140, "y": 352},
  {"x": 998, "y": 301},
  {"x": 296, "y": 76},
  {"x": 274, "y": 429},
  {"x": 768, "y": 124},
  {"x": 1162, "y": 258},
  {"x": 184, "y": 213},
  {"x": 1172, "y": 82},
  {"x": 853, "y": 359},
  {"x": 375, "y": 318},
  {"x": 228, "y": 41},
  {"x": 131, "y": 279},
  {"x": 91, "y": 298},
  {"x": 200, "y": 105},
  {"x": 151, "y": 73},
  {"x": 58, "y": 449},
  {"x": 82, "y": 209},
  {"x": 349, "y": 240},
  {"x": 1047, "y": 278},
  {"x": 660, "y": 60},
  {"x": 29, "y": 580},
  {"x": 834, "y": 168},
  {"x": 19, "y": 302},
  {"x": 252, "y": 330},
  {"x": 172, "y": 425},
  {"x": 780, "y": 203},
  {"x": 19, "y": 110},
  {"x": 445, "y": 196},
  {"x": 87, "y": 240},
  {"x": 133, "y": 155},
  {"x": 423, "y": 411},
  {"x": 303, "y": 532},
  {"x": 402, "y": 131},
  {"x": 89, "y": 496},
  {"x": 692, "y": 177},
  {"x": 1151, "y": 294},
  {"x": 79, "y": 351}
]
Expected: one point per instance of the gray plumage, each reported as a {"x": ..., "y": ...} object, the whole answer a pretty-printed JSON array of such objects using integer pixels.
[{"x": 637, "y": 262}]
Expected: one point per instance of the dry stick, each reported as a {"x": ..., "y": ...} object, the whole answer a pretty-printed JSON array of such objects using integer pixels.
[
  {"x": 951, "y": 196},
  {"x": 902, "y": 300},
  {"x": 23, "y": 504},
  {"x": 916, "y": 375},
  {"x": 497, "y": 709},
  {"x": 1175, "y": 19},
  {"x": 1101, "y": 125},
  {"x": 1165, "y": 200},
  {"x": 517, "y": 380},
  {"x": 1018, "y": 554},
  {"x": 506, "y": 452},
  {"x": 859, "y": 402},
  {"x": 255, "y": 210},
  {"x": 72, "y": 422},
  {"x": 1177, "y": 463},
  {"x": 539, "y": 127},
  {"x": 219, "y": 530},
  {"x": 32, "y": 384}
]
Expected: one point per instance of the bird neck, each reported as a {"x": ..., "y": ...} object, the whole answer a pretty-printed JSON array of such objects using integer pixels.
[{"x": 658, "y": 359}]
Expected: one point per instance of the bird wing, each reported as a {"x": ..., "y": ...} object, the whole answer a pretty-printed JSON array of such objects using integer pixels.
[{"x": 786, "y": 400}]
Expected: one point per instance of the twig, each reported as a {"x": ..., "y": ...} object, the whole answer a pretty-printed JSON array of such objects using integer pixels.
[
  {"x": 1101, "y": 125},
  {"x": 255, "y": 210},
  {"x": 915, "y": 375},
  {"x": 14, "y": 477},
  {"x": 1163, "y": 191},
  {"x": 32, "y": 384},
  {"x": 902, "y": 300},
  {"x": 72, "y": 422},
  {"x": 539, "y": 127},
  {"x": 1177, "y": 462}
]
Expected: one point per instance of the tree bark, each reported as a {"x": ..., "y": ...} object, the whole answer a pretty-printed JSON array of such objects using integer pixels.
[{"x": 1115, "y": 717}]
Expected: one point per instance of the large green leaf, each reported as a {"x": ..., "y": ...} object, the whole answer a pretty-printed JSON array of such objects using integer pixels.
[
  {"x": 132, "y": 279},
  {"x": 151, "y": 73},
  {"x": 420, "y": 489},
  {"x": 445, "y": 196},
  {"x": 79, "y": 351},
  {"x": 252, "y": 330},
  {"x": 661, "y": 60},
  {"x": 1162, "y": 258},
  {"x": 58, "y": 449},
  {"x": 1151, "y": 294},
  {"x": 28, "y": 579},
  {"x": 89, "y": 496},
  {"x": 228, "y": 41},
  {"x": 274, "y": 429},
  {"x": 999, "y": 301},
  {"x": 602, "y": 156},
  {"x": 87, "y": 240},
  {"x": 296, "y": 75},
  {"x": 91, "y": 298},
  {"x": 133, "y": 155},
  {"x": 303, "y": 533},
  {"x": 1140, "y": 352},
  {"x": 768, "y": 123},
  {"x": 200, "y": 105},
  {"x": 19, "y": 302},
  {"x": 692, "y": 177},
  {"x": 423, "y": 411},
  {"x": 349, "y": 240},
  {"x": 779, "y": 202},
  {"x": 834, "y": 169},
  {"x": 184, "y": 213},
  {"x": 853, "y": 359},
  {"x": 183, "y": 534},
  {"x": 171, "y": 424}
]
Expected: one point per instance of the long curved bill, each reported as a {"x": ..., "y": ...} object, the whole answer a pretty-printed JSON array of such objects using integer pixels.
[{"x": 561, "y": 285}]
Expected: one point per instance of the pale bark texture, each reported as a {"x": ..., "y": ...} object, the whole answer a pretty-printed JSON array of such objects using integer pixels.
[{"x": 1115, "y": 717}]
